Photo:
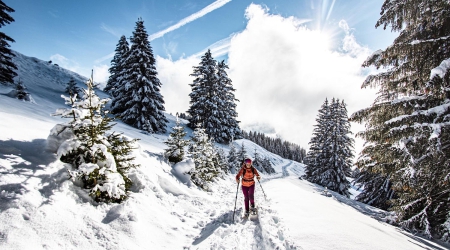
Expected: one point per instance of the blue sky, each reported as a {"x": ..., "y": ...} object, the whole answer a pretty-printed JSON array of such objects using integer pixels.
[{"x": 285, "y": 57}]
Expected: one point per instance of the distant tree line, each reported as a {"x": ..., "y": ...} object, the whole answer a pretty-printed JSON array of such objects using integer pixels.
[{"x": 277, "y": 146}]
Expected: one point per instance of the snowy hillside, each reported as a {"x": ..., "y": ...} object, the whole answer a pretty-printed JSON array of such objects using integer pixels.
[{"x": 41, "y": 209}]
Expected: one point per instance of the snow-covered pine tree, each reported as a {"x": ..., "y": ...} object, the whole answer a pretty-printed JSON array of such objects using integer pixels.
[
  {"x": 335, "y": 151},
  {"x": 212, "y": 101},
  {"x": 204, "y": 154},
  {"x": 139, "y": 102},
  {"x": 342, "y": 148},
  {"x": 226, "y": 107},
  {"x": 411, "y": 112},
  {"x": 267, "y": 166},
  {"x": 318, "y": 149},
  {"x": 176, "y": 143},
  {"x": 221, "y": 160},
  {"x": 377, "y": 189},
  {"x": 258, "y": 162},
  {"x": 201, "y": 104},
  {"x": 7, "y": 66},
  {"x": 21, "y": 91},
  {"x": 72, "y": 88},
  {"x": 241, "y": 155},
  {"x": 116, "y": 70},
  {"x": 99, "y": 160},
  {"x": 232, "y": 158}
]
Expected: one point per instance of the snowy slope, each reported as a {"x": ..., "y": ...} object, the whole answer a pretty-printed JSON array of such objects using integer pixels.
[{"x": 41, "y": 209}]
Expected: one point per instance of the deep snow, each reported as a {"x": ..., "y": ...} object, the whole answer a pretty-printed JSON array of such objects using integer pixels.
[{"x": 41, "y": 209}]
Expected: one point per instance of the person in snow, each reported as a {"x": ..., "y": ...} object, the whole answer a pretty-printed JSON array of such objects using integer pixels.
[{"x": 248, "y": 173}]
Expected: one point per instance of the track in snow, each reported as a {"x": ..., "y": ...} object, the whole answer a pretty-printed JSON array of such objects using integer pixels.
[{"x": 264, "y": 232}]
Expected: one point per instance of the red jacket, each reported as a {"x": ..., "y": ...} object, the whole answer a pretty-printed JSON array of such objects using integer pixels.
[{"x": 248, "y": 179}]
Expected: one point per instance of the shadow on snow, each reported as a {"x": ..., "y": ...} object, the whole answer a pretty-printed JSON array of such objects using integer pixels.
[{"x": 26, "y": 158}]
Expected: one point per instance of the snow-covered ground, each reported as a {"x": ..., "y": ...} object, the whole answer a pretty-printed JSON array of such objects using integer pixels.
[{"x": 41, "y": 209}]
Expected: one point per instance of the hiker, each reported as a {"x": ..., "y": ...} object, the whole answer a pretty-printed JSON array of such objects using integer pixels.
[{"x": 248, "y": 173}]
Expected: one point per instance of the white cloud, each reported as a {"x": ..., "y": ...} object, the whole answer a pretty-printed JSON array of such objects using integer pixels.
[
  {"x": 217, "y": 4},
  {"x": 282, "y": 73},
  {"x": 175, "y": 80},
  {"x": 101, "y": 75},
  {"x": 65, "y": 62}
]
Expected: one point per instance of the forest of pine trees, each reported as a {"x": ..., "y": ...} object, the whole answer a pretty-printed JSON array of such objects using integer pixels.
[
  {"x": 277, "y": 146},
  {"x": 407, "y": 127},
  {"x": 134, "y": 84},
  {"x": 212, "y": 104},
  {"x": 329, "y": 158},
  {"x": 7, "y": 67}
]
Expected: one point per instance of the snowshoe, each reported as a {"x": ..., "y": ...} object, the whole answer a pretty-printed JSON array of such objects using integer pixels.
[
  {"x": 253, "y": 210},
  {"x": 246, "y": 214}
]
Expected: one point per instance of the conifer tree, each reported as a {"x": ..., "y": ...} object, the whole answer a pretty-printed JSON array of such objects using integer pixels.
[
  {"x": 204, "y": 155},
  {"x": 242, "y": 154},
  {"x": 201, "y": 105},
  {"x": 258, "y": 162},
  {"x": 7, "y": 66},
  {"x": 221, "y": 160},
  {"x": 331, "y": 150},
  {"x": 318, "y": 150},
  {"x": 212, "y": 101},
  {"x": 21, "y": 91},
  {"x": 226, "y": 107},
  {"x": 72, "y": 88},
  {"x": 267, "y": 166},
  {"x": 409, "y": 118},
  {"x": 232, "y": 158},
  {"x": 100, "y": 160},
  {"x": 377, "y": 189},
  {"x": 116, "y": 70},
  {"x": 176, "y": 143},
  {"x": 138, "y": 100}
]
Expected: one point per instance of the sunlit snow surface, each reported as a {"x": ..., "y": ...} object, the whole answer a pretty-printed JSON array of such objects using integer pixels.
[{"x": 41, "y": 209}]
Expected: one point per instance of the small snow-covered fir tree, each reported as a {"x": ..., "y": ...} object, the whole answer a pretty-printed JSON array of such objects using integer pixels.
[
  {"x": 99, "y": 160},
  {"x": 222, "y": 163},
  {"x": 137, "y": 99},
  {"x": 21, "y": 91},
  {"x": 232, "y": 159},
  {"x": 203, "y": 153},
  {"x": 116, "y": 70},
  {"x": 267, "y": 166},
  {"x": 7, "y": 66},
  {"x": 241, "y": 155},
  {"x": 176, "y": 143},
  {"x": 72, "y": 88}
]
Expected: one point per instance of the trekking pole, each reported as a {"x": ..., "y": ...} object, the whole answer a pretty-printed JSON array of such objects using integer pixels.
[
  {"x": 262, "y": 189},
  {"x": 237, "y": 189}
]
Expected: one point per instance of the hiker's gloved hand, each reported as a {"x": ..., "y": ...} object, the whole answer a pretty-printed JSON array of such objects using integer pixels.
[
  {"x": 237, "y": 180},
  {"x": 258, "y": 177}
]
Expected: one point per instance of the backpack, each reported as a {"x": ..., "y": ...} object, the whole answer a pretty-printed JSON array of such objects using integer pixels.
[{"x": 245, "y": 169}]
